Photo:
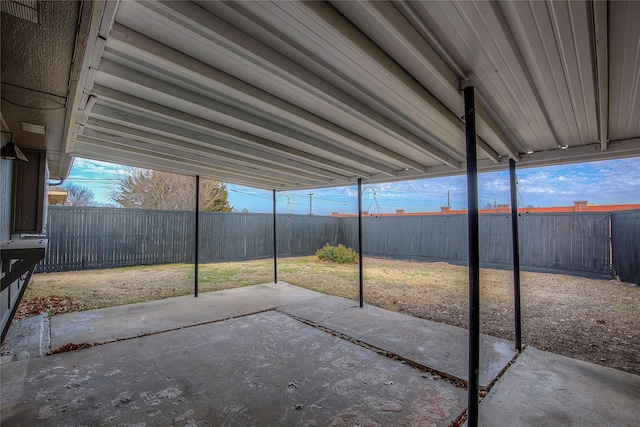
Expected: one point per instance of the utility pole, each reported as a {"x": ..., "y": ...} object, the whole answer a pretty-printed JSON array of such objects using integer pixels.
[{"x": 310, "y": 203}]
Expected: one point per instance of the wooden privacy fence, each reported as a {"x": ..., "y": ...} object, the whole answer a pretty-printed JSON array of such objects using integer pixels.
[
  {"x": 236, "y": 236},
  {"x": 86, "y": 238},
  {"x": 625, "y": 243},
  {"x": 566, "y": 241}
]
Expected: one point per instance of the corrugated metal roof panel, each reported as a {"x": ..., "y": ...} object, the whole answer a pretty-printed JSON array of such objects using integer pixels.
[
  {"x": 624, "y": 70},
  {"x": 556, "y": 41},
  {"x": 303, "y": 95}
]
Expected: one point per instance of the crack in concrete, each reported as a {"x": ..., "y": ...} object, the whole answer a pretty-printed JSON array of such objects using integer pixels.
[
  {"x": 69, "y": 346},
  {"x": 458, "y": 382}
]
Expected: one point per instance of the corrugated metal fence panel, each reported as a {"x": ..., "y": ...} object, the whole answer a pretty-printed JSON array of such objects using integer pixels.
[
  {"x": 137, "y": 237},
  {"x": 428, "y": 237},
  {"x": 495, "y": 239},
  {"x": 259, "y": 236},
  {"x": 218, "y": 232},
  {"x": 304, "y": 235},
  {"x": 625, "y": 241},
  {"x": 575, "y": 242},
  {"x": 409, "y": 237},
  {"x": 235, "y": 236},
  {"x": 85, "y": 238}
]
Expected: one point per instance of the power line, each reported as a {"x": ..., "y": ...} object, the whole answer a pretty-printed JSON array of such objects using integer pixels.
[
  {"x": 304, "y": 198},
  {"x": 90, "y": 180},
  {"x": 34, "y": 90},
  {"x": 30, "y": 107}
]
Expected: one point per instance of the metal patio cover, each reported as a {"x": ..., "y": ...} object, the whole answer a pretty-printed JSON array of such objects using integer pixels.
[{"x": 298, "y": 95}]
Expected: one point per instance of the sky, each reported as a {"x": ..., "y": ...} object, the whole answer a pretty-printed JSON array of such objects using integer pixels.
[{"x": 601, "y": 183}]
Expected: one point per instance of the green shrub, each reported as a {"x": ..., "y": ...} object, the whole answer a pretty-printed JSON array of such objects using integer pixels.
[{"x": 340, "y": 254}]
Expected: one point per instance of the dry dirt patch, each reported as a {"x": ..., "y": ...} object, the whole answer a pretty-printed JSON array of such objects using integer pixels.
[{"x": 587, "y": 319}]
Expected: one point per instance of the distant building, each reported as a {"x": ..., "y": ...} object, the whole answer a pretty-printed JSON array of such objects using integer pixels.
[
  {"x": 578, "y": 206},
  {"x": 57, "y": 195}
]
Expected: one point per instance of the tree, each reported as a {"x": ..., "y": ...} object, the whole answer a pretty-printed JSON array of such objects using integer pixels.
[
  {"x": 79, "y": 196},
  {"x": 147, "y": 189}
]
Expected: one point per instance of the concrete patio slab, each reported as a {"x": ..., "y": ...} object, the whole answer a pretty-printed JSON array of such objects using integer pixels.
[
  {"x": 320, "y": 308},
  {"x": 262, "y": 369},
  {"x": 224, "y": 360},
  {"x": 437, "y": 346},
  {"x": 26, "y": 338},
  {"x": 128, "y": 321},
  {"x": 543, "y": 389}
]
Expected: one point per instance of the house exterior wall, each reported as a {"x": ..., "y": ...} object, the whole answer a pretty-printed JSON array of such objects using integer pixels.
[
  {"x": 9, "y": 295},
  {"x": 6, "y": 171}
]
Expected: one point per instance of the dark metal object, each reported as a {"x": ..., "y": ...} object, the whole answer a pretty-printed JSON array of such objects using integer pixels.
[
  {"x": 275, "y": 246},
  {"x": 474, "y": 256},
  {"x": 516, "y": 254},
  {"x": 15, "y": 306},
  {"x": 29, "y": 252},
  {"x": 360, "y": 267},
  {"x": 12, "y": 152},
  {"x": 197, "y": 235}
]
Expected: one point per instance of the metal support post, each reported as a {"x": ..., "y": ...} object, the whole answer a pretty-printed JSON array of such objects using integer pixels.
[
  {"x": 275, "y": 245},
  {"x": 197, "y": 236},
  {"x": 360, "y": 267},
  {"x": 516, "y": 254},
  {"x": 474, "y": 256}
]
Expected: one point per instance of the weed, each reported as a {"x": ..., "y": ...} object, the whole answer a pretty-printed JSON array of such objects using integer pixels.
[{"x": 339, "y": 254}]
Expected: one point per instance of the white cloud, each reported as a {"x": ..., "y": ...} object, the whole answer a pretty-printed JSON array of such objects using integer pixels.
[
  {"x": 605, "y": 182},
  {"x": 89, "y": 168}
]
